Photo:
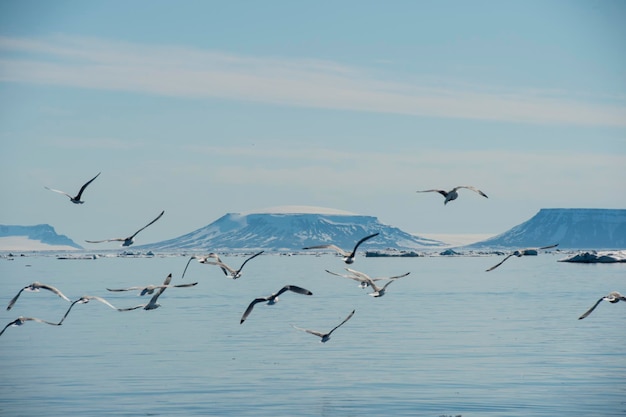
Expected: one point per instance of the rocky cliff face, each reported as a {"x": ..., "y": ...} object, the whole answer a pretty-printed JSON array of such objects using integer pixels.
[
  {"x": 292, "y": 231},
  {"x": 570, "y": 228}
]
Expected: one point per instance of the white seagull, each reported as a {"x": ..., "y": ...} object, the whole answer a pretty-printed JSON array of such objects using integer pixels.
[
  {"x": 521, "y": 252},
  {"x": 378, "y": 291},
  {"x": 325, "y": 336},
  {"x": 348, "y": 257},
  {"x": 362, "y": 278},
  {"x": 149, "y": 289},
  {"x": 613, "y": 297},
  {"x": 76, "y": 199},
  {"x": 231, "y": 272},
  {"x": 21, "y": 320},
  {"x": 152, "y": 304},
  {"x": 34, "y": 287},
  {"x": 84, "y": 300},
  {"x": 204, "y": 260},
  {"x": 273, "y": 299},
  {"x": 127, "y": 241},
  {"x": 452, "y": 194}
]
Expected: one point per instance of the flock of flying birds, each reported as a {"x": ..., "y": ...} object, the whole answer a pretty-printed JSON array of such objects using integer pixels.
[{"x": 363, "y": 279}]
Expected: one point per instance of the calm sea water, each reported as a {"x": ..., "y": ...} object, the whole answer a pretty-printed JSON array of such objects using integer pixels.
[{"x": 449, "y": 339}]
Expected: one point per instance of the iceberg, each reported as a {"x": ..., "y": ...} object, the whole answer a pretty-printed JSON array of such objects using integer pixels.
[{"x": 593, "y": 257}]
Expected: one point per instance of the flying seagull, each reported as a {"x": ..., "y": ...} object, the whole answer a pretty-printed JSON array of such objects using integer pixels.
[
  {"x": 273, "y": 299},
  {"x": 76, "y": 199},
  {"x": 149, "y": 289},
  {"x": 348, "y": 257},
  {"x": 325, "y": 336},
  {"x": 613, "y": 297},
  {"x": 84, "y": 300},
  {"x": 452, "y": 194},
  {"x": 378, "y": 291},
  {"x": 521, "y": 252},
  {"x": 34, "y": 287},
  {"x": 362, "y": 277},
  {"x": 204, "y": 260},
  {"x": 228, "y": 271},
  {"x": 21, "y": 320},
  {"x": 127, "y": 241},
  {"x": 152, "y": 304}
]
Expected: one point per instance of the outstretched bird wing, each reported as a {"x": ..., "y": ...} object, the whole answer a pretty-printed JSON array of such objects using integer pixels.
[
  {"x": 184, "y": 285},
  {"x": 314, "y": 332},
  {"x": 85, "y": 186},
  {"x": 295, "y": 289},
  {"x": 360, "y": 275},
  {"x": 132, "y": 308},
  {"x": 117, "y": 239},
  {"x": 54, "y": 290},
  {"x": 250, "y": 258},
  {"x": 586, "y": 313},
  {"x": 469, "y": 187},
  {"x": 157, "y": 218},
  {"x": 24, "y": 319},
  {"x": 341, "y": 324},
  {"x": 549, "y": 247},
  {"x": 499, "y": 263},
  {"x": 225, "y": 268},
  {"x": 250, "y": 307},
  {"x": 14, "y": 299},
  {"x": 333, "y": 247},
  {"x": 442, "y": 192},
  {"x": 39, "y": 285},
  {"x": 125, "y": 289},
  {"x": 397, "y": 276},
  {"x": 86, "y": 299},
  {"x": 187, "y": 266},
  {"x": 361, "y": 241},
  {"x": 343, "y": 275},
  {"x": 58, "y": 191}
]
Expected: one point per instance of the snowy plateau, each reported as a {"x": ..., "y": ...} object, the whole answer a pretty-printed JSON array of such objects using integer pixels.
[
  {"x": 291, "y": 232},
  {"x": 37, "y": 237},
  {"x": 290, "y": 228},
  {"x": 571, "y": 228}
]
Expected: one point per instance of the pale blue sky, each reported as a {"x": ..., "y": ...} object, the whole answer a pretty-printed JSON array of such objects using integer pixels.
[{"x": 201, "y": 108}]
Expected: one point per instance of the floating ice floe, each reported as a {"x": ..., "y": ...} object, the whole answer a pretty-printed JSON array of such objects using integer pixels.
[{"x": 597, "y": 257}]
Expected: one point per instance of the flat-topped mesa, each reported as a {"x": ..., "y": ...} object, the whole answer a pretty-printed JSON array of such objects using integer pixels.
[
  {"x": 36, "y": 237},
  {"x": 292, "y": 228},
  {"x": 571, "y": 228}
]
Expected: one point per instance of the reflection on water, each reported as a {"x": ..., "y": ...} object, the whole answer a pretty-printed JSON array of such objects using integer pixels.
[{"x": 449, "y": 339}]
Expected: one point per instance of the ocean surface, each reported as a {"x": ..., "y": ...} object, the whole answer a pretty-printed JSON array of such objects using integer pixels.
[{"x": 448, "y": 340}]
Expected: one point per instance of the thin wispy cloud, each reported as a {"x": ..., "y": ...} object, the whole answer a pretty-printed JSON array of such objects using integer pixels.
[
  {"x": 195, "y": 73},
  {"x": 312, "y": 168},
  {"x": 110, "y": 144}
]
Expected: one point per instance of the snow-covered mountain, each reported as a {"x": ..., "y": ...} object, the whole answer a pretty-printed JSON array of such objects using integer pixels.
[
  {"x": 37, "y": 237},
  {"x": 282, "y": 230},
  {"x": 570, "y": 228}
]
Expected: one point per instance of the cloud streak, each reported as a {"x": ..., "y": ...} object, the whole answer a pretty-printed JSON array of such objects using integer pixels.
[
  {"x": 310, "y": 168},
  {"x": 195, "y": 73}
]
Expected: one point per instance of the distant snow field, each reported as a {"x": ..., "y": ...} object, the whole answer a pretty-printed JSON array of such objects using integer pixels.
[
  {"x": 23, "y": 243},
  {"x": 458, "y": 239}
]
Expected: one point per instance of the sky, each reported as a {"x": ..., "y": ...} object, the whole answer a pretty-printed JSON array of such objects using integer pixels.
[{"x": 202, "y": 108}]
